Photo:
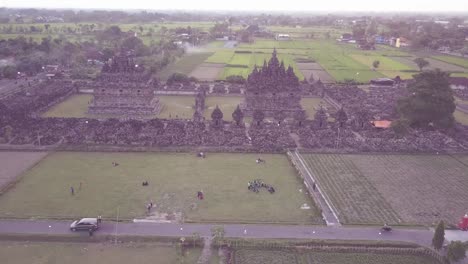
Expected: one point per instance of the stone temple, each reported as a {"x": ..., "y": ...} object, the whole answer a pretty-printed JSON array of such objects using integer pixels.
[
  {"x": 273, "y": 89},
  {"x": 123, "y": 89}
]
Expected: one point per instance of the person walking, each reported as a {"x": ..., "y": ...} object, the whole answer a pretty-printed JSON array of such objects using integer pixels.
[{"x": 72, "y": 190}]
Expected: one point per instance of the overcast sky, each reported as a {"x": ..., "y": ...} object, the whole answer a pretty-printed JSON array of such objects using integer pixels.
[{"x": 252, "y": 5}]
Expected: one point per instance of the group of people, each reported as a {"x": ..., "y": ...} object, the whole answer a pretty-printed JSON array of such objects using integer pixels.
[{"x": 256, "y": 185}]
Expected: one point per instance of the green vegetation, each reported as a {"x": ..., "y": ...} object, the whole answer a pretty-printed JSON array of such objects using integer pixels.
[
  {"x": 225, "y": 103},
  {"x": 461, "y": 117},
  {"x": 353, "y": 195},
  {"x": 370, "y": 188},
  {"x": 439, "y": 236},
  {"x": 453, "y": 60},
  {"x": 75, "y": 106},
  {"x": 75, "y": 253},
  {"x": 311, "y": 105},
  {"x": 174, "y": 179},
  {"x": 251, "y": 256},
  {"x": 184, "y": 65},
  {"x": 456, "y": 251},
  {"x": 431, "y": 101}
]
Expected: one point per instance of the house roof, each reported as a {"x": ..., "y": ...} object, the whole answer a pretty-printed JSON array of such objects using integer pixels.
[{"x": 381, "y": 123}]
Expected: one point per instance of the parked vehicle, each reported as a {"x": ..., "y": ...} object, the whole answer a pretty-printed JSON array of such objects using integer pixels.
[{"x": 87, "y": 224}]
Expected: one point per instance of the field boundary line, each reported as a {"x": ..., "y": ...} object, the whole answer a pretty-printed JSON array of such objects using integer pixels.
[{"x": 321, "y": 195}]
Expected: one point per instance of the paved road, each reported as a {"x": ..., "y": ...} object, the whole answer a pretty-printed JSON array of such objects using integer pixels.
[{"x": 422, "y": 237}]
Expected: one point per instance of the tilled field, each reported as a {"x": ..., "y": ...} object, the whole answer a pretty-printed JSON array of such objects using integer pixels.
[{"x": 414, "y": 189}]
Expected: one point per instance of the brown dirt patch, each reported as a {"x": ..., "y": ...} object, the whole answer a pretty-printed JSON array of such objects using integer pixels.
[
  {"x": 314, "y": 69},
  {"x": 207, "y": 71},
  {"x": 13, "y": 164}
]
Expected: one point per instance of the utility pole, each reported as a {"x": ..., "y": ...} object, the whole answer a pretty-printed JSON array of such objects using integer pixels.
[{"x": 116, "y": 224}]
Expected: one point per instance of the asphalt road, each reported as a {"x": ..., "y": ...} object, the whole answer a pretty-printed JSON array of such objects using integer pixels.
[{"x": 422, "y": 237}]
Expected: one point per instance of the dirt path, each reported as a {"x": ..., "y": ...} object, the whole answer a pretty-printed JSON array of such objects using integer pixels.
[
  {"x": 207, "y": 251},
  {"x": 13, "y": 164}
]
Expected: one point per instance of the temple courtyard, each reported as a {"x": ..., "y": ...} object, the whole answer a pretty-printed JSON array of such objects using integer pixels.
[{"x": 172, "y": 106}]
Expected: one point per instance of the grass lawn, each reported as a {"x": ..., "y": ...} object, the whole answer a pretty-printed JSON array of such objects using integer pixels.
[
  {"x": 77, "y": 253},
  {"x": 177, "y": 106},
  {"x": 77, "y": 106},
  {"x": 174, "y": 179},
  {"x": 311, "y": 105},
  {"x": 251, "y": 256},
  {"x": 74, "y": 106},
  {"x": 461, "y": 117},
  {"x": 184, "y": 65},
  {"x": 463, "y": 62},
  {"x": 226, "y": 104}
]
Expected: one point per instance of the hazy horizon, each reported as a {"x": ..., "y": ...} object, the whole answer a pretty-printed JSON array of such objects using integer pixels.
[{"x": 248, "y": 5}]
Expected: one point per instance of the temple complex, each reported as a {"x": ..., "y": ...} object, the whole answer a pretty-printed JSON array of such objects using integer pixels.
[
  {"x": 273, "y": 89},
  {"x": 124, "y": 89}
]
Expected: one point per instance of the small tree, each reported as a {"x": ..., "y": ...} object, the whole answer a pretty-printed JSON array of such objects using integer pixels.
[
  {"x": 238, "y": 115},
  {"x": 439, "y": 236},
  {"x": 217, "y": 116},
  {"x": 341, "y": 117},
  {"x": 375, "y": 64},
  {"x": 195, "y": 237},
  {"x": 8, "y": 131},
  {"x": 456, "y": 251},
  {"x": 401, "y": 126},
  {"x": 421, "y": 62}
]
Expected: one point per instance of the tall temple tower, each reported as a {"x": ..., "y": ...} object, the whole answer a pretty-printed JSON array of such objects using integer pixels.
[{"x": 272, "y": 88}]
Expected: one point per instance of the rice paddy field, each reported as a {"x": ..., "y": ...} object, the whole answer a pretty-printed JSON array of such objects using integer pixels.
[
  {"x": 398, "y": 189},
  {"x": 256, "y": 256}
]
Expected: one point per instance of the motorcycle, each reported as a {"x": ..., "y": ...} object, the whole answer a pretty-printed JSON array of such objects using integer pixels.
[{"x": 386, "y": 229}]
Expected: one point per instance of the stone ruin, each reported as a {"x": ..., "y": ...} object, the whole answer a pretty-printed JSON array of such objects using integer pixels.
[
  {"x": 273, "y": 89},
  {"x": 124, "y": 89}
]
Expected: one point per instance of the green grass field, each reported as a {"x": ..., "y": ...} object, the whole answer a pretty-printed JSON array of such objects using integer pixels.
[
  {"x": 463, "y": 62},
  {"x": 77, "y": 106},
  {"x": 311, "y": 105},
  {"x": 226, "y": 104},
  {"x": 251, "y": 256},
  {"x": 461, "y": 117},
  {"x": 184, "y": 65},
  {"x": 173, "y": 107},
  {"x": 78, "y": 253},
  {"x": 174, "y": 179},
  {"x": 74, "y": 106}
]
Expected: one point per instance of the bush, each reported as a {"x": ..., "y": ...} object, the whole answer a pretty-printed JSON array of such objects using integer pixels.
[
  {"x": 456, "y": 251},
  {"x": 235, "y": 79},
  {"x": 180, "y": 78},
  {"x": 237, "y": 66}
]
